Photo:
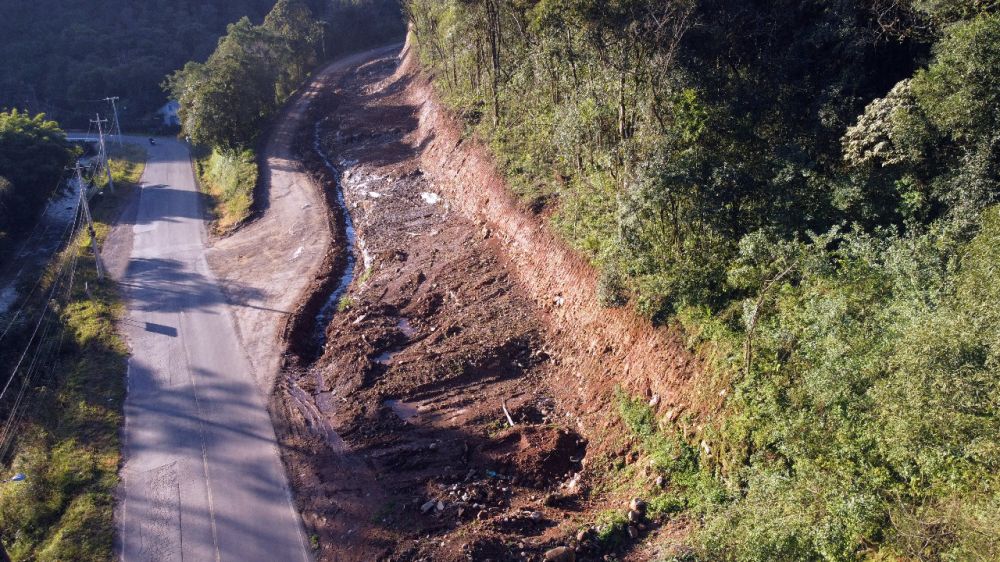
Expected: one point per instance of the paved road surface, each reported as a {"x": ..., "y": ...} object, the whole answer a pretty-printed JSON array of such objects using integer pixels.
[{"x": 203, "y": 479}]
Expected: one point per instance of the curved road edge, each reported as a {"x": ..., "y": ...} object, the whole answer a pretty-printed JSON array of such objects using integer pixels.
[{"x": 268, "y": 267}]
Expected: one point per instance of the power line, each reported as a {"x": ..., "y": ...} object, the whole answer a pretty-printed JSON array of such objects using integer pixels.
[
  {"x": 43, "y": 354},
  {"x": 67, "y": 235},
  {"x": 34, "y": 333},
  {"x": 41, "y": 317},
  {"x": 117, "y": 126},
  {"x": 19, "y": 407},
  {"x": 103, "y": 156}
]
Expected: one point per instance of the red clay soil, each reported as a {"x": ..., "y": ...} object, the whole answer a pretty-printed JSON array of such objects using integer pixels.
[{"x": 465, "y": 389}]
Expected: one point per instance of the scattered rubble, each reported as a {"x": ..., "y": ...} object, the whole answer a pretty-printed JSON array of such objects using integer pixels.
[{"x": 429, "y": 427}]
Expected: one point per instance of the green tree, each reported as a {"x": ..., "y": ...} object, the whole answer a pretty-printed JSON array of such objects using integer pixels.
[
  {"x": 293, "y": 23},
  {"x": 33, "y": 154},
  {"x": 225, "y": 100}
]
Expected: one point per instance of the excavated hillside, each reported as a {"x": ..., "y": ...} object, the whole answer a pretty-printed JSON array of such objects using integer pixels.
[{"x": 450, "y": 390}]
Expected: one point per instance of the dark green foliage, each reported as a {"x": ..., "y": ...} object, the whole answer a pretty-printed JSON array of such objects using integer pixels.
[
  {"x": 226, "y": 100},
  {"x": 674, "y": 128},
  {"x": 355, "y": 25},
  {"x": 33, "y": 154}
]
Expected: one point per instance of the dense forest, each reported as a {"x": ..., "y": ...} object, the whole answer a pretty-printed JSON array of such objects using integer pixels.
[
  {"x": 809, "y": 190},
  {"x": 63, "y": 57}
]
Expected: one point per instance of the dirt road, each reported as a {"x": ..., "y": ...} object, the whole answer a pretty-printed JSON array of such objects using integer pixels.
[{"x": 203, "y": 478}]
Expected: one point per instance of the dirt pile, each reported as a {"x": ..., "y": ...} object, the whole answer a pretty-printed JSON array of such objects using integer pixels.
[{"x": 467, "y": 365}]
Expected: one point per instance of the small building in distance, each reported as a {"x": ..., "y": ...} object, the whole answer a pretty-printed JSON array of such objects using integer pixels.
[{"x": 169, "y": 114}]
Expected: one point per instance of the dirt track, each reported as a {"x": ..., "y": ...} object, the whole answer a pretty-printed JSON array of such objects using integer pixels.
[{"x": 270, "y": 266}]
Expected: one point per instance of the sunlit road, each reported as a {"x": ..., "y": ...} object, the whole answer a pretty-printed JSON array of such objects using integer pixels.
[{"x": 203, "y": 479}]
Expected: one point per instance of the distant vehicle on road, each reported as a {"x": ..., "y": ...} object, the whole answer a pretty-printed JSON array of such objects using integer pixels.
[{"x": 152, "y": 141}]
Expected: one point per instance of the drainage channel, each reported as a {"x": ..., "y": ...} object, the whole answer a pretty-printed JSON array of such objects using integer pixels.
[{"x": 329, "y": 308}]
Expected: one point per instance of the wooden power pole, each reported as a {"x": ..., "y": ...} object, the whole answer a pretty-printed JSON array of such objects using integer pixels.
[{"x": 85, "y": 205}]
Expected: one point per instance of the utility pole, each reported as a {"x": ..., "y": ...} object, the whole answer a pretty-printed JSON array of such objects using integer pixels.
[
  {"x": 90, "y": 220},
  {"x": 117, "y": 127},
  {"x": 104, "y": 153}
]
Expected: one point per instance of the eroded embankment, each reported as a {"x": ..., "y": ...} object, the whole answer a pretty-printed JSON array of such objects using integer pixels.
[
  {"x": 602, "y": 347},
  {"x": 467, "y": 363}
]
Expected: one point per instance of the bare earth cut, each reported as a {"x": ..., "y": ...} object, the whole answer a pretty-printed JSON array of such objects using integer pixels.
[{"x": 445, "y": 410}]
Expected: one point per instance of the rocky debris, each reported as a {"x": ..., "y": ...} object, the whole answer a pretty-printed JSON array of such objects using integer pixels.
[
  {"x": 540, "y": 456},
  {"x": 637, "y": 504},
  {"x": 430, "y": 468},
  {"x": 559, "y": 499},
  {"x": 560, "y": 554}
]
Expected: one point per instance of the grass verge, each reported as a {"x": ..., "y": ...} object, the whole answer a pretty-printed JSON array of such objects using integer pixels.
[
  {"x": 229, "y": 179},
  {"x": 64, "y": 436}
]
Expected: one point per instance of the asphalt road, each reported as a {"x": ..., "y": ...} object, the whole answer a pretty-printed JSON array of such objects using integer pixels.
[{"x": 203, "y": 479}]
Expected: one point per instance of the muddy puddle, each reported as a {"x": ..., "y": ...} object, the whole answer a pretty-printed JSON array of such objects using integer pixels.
[
  {"x": 405, "y": 411},
  {"x": 403, "y": 325}
]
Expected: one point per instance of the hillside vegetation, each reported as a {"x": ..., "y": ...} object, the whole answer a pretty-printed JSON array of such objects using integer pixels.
[
  {"x": 809, "y": 189},
  {"x": 63, "y": 57},
  {"x": 228, "y": 100}
]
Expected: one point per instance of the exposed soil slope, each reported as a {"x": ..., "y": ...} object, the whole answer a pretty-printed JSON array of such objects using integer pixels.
[
  {"x": 462, "y": 306},
  {"x": 598, "y": 345}
]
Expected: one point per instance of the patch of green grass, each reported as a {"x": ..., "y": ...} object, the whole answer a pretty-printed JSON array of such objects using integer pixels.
[
  {"x": 668, "y": 452},
  {"x": 665, "y": 505},
  {"x": 345, "y": 303},
  {"x": 612, "y": 529},
  {"x": 127, "y": 163},
  {"x": 229, "y": 179},
  {"x": 691, "y": 485},
  {"x": 366, "y": 275}
]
